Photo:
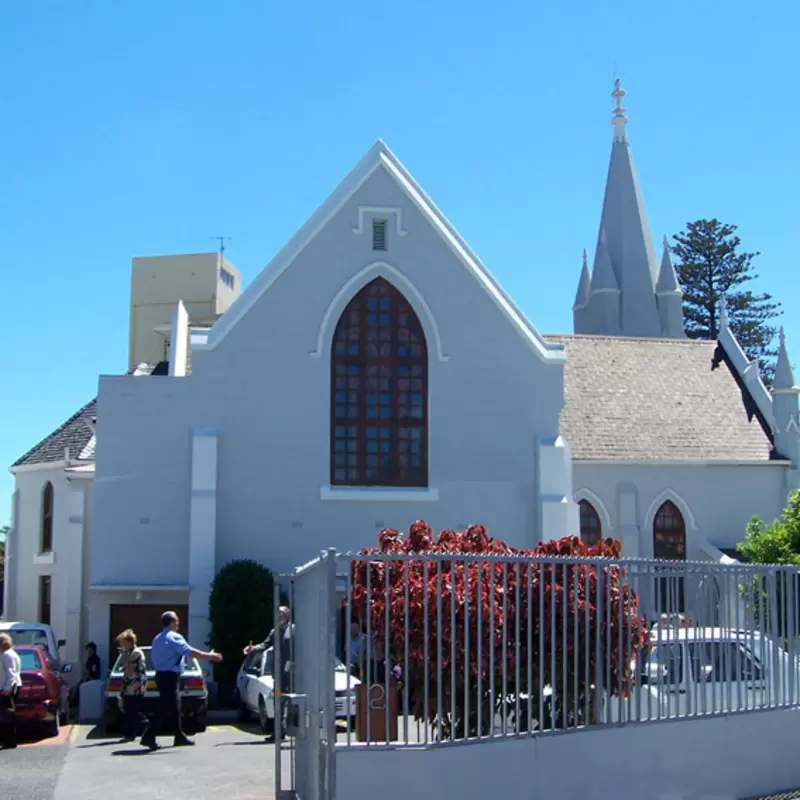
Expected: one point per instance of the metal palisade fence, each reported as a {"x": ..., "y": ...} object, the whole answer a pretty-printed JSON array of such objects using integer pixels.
[{"x": 434, "y": 649}]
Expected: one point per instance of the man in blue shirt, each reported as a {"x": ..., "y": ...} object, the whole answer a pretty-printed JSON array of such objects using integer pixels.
[{"x": 166, "y": 656}]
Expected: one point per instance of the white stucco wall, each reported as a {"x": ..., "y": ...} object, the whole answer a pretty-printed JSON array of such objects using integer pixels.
[
  {"x": 717, "y": 501},
  {"x": 265, "y": 390},
  {"x": 29, "y": 565},
  {"x": 712, "y": 759}
]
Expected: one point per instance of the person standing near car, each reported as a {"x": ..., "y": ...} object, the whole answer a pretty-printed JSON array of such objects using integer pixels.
[
  {"x": 167, "y": 653},
  {"x": 285, "y": 632},
  {"x": 10, "y": 681},
  {"x": 134, "y": 683}
]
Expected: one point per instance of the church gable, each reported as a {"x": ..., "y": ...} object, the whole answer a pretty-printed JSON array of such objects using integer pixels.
[
  {"x": 655, "y": 400},
  {"x": 379, "y": 202}
]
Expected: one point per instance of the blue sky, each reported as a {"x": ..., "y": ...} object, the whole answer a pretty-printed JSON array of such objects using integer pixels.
[{"x": 144, "y": 127}]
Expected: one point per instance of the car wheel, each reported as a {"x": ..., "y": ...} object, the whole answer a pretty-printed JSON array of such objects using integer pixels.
[
  {"x": 200, "y": 724},
  {"x": 241, "y": 706},
  {"x": 267, "y": 723}
]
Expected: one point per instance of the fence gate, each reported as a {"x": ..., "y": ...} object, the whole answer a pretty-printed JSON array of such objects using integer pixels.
[{"x": 305, "y": 728}]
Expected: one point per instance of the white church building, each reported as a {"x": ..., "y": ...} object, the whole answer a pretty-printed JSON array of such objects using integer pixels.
[{"x": 376, "y": 373}]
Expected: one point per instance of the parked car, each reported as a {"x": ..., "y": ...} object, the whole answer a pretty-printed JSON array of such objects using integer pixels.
[
  {"x": 697, "y": 671},
  {"x": 255, "y": 689},
  {"x": 193, "y": 691},
  {"x": 44, "y": 695},
  {"x": 36, "y": 634}
]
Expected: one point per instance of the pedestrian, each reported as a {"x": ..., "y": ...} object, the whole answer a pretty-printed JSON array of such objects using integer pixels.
[
  {"x": 10, "y": 681},
  {"x": 92, "y": 669},
  {"x": 167, "y": 653},
  {"x": 134, "y": 683},
  {"x": 286, "y": 629}
]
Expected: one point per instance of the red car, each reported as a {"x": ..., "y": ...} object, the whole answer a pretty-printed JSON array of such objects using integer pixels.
[{"x": 44, "y": 695}]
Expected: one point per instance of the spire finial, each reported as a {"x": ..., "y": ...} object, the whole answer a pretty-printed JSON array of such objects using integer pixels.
[
  {"x": 781, "y": 337},
  {"x": 619, "y": 119},
  {"x": 586, "y": 265},
  {"x": 723, "y": 312},
  {"x": 666, "y": 243}
]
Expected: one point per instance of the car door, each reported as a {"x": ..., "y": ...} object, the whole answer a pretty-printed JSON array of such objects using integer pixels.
[
  {"x": 253, "y": 671},
  {"x": 664, "y": 693},
  {"x": 267, "y": 681},
  {"x": 729, "y": 676}
]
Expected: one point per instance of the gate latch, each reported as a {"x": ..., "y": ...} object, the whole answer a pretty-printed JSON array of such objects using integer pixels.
[{"x": 294, "y": 714}]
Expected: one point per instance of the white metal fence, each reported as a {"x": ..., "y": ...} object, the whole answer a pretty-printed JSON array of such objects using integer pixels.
[{"x": 443, "y": 648}]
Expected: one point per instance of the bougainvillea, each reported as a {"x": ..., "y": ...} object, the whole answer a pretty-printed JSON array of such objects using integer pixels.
[{"x": 536, "y": 627}]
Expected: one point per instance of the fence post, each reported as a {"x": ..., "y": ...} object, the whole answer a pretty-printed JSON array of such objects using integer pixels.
[
  {"x": 328, "y": 678},
  {"x": 277, "y": 702}
]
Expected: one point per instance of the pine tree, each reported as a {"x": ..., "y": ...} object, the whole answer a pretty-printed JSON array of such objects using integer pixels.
[{"x": 709, "y": 265}]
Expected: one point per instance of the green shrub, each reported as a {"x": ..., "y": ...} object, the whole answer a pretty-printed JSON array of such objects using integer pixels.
[{"x": 240, "y": 610}]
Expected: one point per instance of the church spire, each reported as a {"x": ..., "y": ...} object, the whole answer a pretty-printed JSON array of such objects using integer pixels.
[
  {"x": 669, "y": 298},
  {"x": 582, "y": 295},
  {"x": 579, "y": 307},
  {"x": 627, "y": 250},
  {"x": 784, "y": 375},
  {"x": 605, "y": 294}
]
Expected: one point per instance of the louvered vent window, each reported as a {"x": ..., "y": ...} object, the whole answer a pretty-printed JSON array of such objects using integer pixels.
[{"x": 379, "y": 234}]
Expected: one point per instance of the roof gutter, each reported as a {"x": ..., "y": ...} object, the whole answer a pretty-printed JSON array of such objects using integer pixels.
[{"x": 681, "y": 462}]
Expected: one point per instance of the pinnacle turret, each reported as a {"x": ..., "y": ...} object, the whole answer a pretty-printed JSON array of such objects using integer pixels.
[{"x": 784, "y": 374}]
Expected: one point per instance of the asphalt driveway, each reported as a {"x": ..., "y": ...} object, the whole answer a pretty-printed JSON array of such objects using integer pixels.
[{"x": 229, "y": 761}]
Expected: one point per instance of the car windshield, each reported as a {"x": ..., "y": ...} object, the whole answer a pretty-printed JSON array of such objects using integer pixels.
[
  {"x": 29, "y": 660},
  {"x": 33, "y": 637},
  {"x": 186, "y": 664}
]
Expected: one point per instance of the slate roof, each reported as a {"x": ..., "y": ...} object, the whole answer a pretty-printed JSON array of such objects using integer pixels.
[
  {"x": 655, "y": 399},
  {"x": 77, "y": 433}
]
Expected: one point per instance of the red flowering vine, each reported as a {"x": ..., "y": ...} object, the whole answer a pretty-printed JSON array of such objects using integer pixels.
[{"x": 517, "y": 611}]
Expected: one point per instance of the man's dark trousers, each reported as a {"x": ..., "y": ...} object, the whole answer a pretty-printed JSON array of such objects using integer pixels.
[
  {"x": 8, "y": 720},
  {"x": 169, "y": 708}
]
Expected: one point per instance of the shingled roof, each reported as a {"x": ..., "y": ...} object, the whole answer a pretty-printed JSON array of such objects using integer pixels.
[
  {"x": 655, "y": 399},
  {"x": 77, "y": 434}
]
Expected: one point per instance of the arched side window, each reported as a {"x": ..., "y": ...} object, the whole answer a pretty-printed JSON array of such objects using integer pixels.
[
  {"x": 379, "y": 392},
  {"x": 47, "y": 519},
  {"x": 669, "y": 533},
  {"x": 591, "y": 529},
  {"x": 669, "y": 543}
]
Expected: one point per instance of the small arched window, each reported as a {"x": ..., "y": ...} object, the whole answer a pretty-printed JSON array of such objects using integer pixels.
[
  {"x": 379, "y": 392},
  {"x": 47, "y": 519},
  {"x": 591, "y": 530},
  {"x": 669, "y": 544},
  {"x": 669, "y": 533}
]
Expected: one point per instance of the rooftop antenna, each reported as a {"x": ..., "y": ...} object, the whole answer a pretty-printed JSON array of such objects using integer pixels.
[{"x": 221, "y": 240}]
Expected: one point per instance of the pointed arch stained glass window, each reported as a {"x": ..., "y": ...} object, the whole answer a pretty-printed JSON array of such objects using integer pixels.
[{"x": 379, "y": 392}]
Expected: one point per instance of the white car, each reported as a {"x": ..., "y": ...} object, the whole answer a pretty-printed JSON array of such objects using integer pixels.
[
  {"x": 698, "y": 671},
  {"x": 34, "y": 633},
  {"x": 255, "y": 689},
  {"x": 192, "y": 688}
]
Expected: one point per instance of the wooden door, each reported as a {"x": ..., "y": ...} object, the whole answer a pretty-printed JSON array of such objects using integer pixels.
[{"x": 144, "y": 620}]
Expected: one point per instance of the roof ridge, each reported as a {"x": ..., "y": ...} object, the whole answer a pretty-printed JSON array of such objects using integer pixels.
[{"x": 650, "y": 339}]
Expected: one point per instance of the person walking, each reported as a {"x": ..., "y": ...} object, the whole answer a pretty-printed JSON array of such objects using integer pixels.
[
  {"x": 10, "y": 681},
  {"x": 167, "y": 653},
  {"x": 134, "y": 683}
]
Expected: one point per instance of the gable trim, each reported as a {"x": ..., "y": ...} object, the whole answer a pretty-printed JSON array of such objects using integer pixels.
[
  {"x": 361, "y": 279},
  {"x": 598, "y": 505},
  {"x": 660, "y": 499},
  {"x": 379, "y": 156}
]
